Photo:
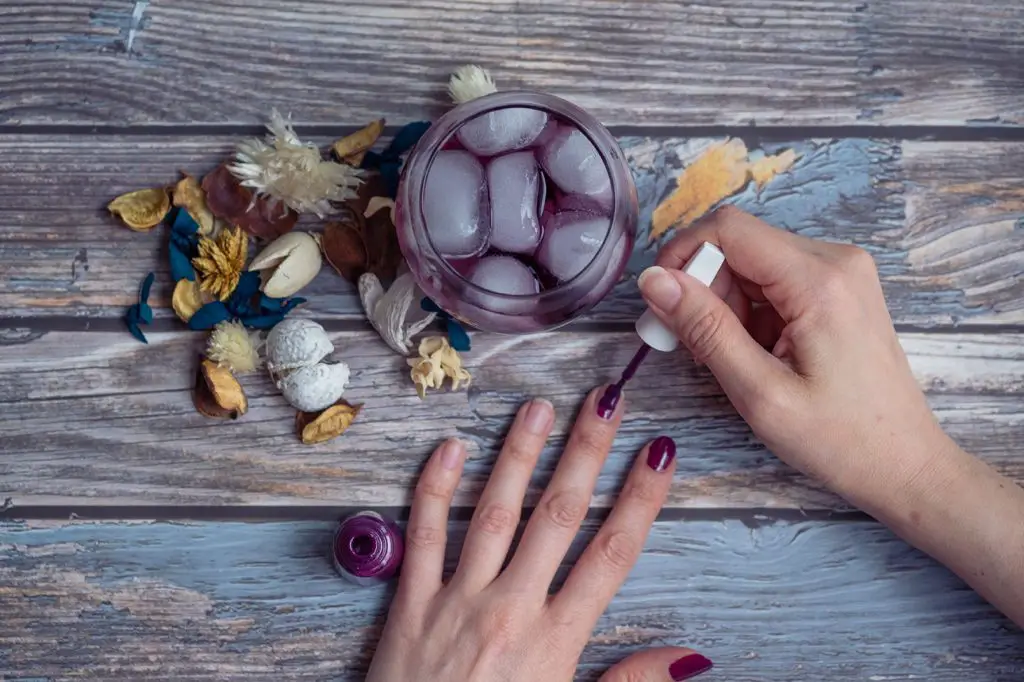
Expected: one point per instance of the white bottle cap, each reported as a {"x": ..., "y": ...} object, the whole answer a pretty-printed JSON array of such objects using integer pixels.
[{"x": 704, "y": 266}]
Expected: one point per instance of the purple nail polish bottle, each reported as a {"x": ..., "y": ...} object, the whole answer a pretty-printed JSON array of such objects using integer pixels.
[{"x": 368, "y": 548}]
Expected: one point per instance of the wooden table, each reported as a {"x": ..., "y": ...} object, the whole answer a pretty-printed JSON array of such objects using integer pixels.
[{"x": 142, "y": 541}]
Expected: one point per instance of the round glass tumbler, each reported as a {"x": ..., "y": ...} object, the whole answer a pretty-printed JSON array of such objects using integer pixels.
[{"x": 516, "y": 212}]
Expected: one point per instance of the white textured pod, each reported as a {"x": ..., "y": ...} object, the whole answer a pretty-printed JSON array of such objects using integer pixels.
[
  {"x": 295, "y": 343},
  {"x": 314, "y": 388},
  {"x": 703, "y": 267}
]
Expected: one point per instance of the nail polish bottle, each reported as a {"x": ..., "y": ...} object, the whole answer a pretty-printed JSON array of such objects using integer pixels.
[
  {"x": 368, "y": 548},
  {"x": 704, "y": 266}
]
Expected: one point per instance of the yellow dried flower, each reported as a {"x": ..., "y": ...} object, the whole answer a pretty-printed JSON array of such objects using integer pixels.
[
  {"x": 221, "y": 262},
  {"x": 352, "y": 148},
  {"x": 286, "y": 169},
  {"x": 141, "y": 210},
  {"x": 231, "y": 345},
  {"x": 437, "y": 360},
  {"x": 189, "y": 195},
  {"x": 186, "y": 299}
]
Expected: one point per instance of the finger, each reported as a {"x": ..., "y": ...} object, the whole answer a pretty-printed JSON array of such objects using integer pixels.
[
  {"x": 713, "y": 334},
  {"x": 781, "y": 263},
  {"x": 426, "y": 533},
  {"x": 666, "y": 664},
  {"x": 498, "y": 511},
  {"x": 564, "y": 504},
  {"x": 610, "y": 556}
]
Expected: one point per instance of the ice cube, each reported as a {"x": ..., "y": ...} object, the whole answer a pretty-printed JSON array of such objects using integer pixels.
[
  {"x": 513, "y": 185},
  {"x": 571, "y": 240},
  {"x": 500, "y": 131},
  {"x": 455, "y": 205},
  {"x": 581, "y": 202},
  {"x": 504, "y": 275},
  {"x": 572, "y": 162}
]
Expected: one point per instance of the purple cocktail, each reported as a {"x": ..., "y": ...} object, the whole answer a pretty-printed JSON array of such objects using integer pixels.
[{"x": 516, "y": 212}]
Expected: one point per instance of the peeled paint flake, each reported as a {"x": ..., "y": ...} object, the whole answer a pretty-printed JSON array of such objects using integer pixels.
[{"x": 141, "y": 210}]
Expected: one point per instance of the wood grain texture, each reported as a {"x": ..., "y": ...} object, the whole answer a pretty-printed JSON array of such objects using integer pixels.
[
  {"x": 663, "y": 63},
  {"x": 784, "y": 601},
  {"x": 112, "y": 422},
  {"x": 953, "y": 256}
]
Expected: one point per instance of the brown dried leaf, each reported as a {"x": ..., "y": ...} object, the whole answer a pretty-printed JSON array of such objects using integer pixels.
[
  {"x": 320, "y": 427},
  {"x": 143, "y": 209},
  {"x": 372, "y": 186},
  {"x": 186, "y": 299},
  {"x": 217, "y": 393},
  {"x": 190, "y": 196},
  {"x": 261, "y": 218},
  {"x": 352, "y": 148},
  {"x": 383, "y": 253},
  {"x": 343, "y": 247}
]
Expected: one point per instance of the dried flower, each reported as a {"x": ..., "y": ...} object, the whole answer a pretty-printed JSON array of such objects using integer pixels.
[
  {"x": 220, "y": 263},
  {"x": 259, "y": 216},
  {"x": 217, "y": 392},
  {"x": 191, "y": 197},
  {"x": 319, "y": 427},
  {"x": 352, "y": 148},
  {"x": 470, "y": 82},
  {"x": 288, "y": 263},
  {"x": 186, "y": 299},
  {"x": 387, "y": 312},
  {"x": 231, "y": 345},
  {"x": 343, "y": 248},
  {"x": 293, "y": 172},
  {"x": 140, "y": 313},
  {"x": 437, "y": 360},
  {"x": 141, "y": 210}
]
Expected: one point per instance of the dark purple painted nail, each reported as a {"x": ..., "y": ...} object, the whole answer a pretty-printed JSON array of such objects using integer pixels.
[
  {"x": 609, "y": 401},
  {"x": 661, "y": 453},
  {"x": 688, "y": 667}
]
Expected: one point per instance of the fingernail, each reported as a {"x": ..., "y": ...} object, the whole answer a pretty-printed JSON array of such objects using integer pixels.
[
  {"x": 539, "y": 415},
  {"x": 659, "y": 287},
  {"x": 689, "y": 666},
  {"x": 451, "y": 453},
  {"x": 661, "y": 453},
  {"x": 608, "y": 401}
]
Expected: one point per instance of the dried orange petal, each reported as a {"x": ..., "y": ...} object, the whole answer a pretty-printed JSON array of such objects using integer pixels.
[
  {"x": 352, "y": 148},
  {"x": 186, "y": 299},
  {"x": 320, "y": 427},
  {"x": 191, "y": 197},
  {"x": 143, "y": 209}
]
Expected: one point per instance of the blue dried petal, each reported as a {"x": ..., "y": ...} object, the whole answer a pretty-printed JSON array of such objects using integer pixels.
[
  {"x": 270, "y": 305},
  {"x": 406, "y": 137},
  {"x": 457, "y": 336},
  {"x": 389, "y": 162},
  {"x": 209, "y": 316},
  {"x": 145, "y": 313},
  {"x": 184, "y": 224},
  {"x": 248, "y": 285},
  {"x": 429, "y": 306},
  {"x": 147, "y": 284},
  {"x": 133, "y": 328},
  {"x": 390, "y": 175},
  {"x": 262, "y": 321},
  {"x": 181, "y": 263}
]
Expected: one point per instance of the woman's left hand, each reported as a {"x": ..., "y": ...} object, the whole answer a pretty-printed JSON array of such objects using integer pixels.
[{"x": 489, "y": 624}]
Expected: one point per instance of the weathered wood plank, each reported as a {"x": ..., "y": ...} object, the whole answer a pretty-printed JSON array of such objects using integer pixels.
[
  {"x": 218, "y": 601},
  {"x": 665, "y": 63},
  {"x": 92, "y": 418},
  {"x": 953, "y": 256}
]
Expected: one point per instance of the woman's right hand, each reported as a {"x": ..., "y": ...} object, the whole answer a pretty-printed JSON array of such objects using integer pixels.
[{"x": 798, "y": 334}]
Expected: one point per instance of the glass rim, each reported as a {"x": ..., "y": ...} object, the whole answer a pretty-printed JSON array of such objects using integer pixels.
[{"x": 598, "y": 135}]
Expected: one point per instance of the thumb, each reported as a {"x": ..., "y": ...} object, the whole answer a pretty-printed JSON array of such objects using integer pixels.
[
  {"x": 668, "y": 664},
  {"x": 714, "y": 335}
]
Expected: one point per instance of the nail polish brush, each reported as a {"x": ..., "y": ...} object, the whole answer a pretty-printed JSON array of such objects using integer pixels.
[{"x": 703, "y": 267}]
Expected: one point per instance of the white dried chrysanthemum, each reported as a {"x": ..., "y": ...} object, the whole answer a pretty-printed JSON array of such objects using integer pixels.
[
  {"x": 231, "y": 345},
  {"x": 470, "y": 82},
  {"x": 286, "y": 169}
]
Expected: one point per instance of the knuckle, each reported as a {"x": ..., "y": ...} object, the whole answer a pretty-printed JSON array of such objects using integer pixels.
[
  {"x": 566, "y": 509},
  {"x": 517, "y": 451},
  {"x": 705, "y": 333},
  {"x": 856, "y": 259},
  {"x": 497, "y": 519},
  {"x": 589, "y": 444},
  {"x": 428, "y": 489},
  {"x": 500, "y": 623},
  {"x": 641, "y": 491},
  {"x": 618, "y": 550},
  {"x": 422, "y": 536},
  {"x": 633, "y": 676}
]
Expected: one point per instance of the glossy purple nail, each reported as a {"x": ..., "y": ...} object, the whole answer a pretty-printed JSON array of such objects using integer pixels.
[
  {"x": 688, "y": 667},
  {"x": 609, "y": 401},
  {"x": 661, "y": 453}
]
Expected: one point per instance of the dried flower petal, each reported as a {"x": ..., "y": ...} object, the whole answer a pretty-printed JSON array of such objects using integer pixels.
[
  {"x": 231, "y": 345},
  {"x": 470, "y": 82},
  {"x": 236, "y": 205},
  {"x": 387, "y": 312},
  {"x": 186, "y": 299},
  {"x": 352, "y": 148},
  {"x": 220, "y": 263},
  {"x": 287, "y": 170},
  {"x": 343, "y": 247},
  {"x": 143, "y": 209},
  {"x": 319, "y": 427},
  {"x": 190, "y": 196},
  {"x": 217, "y": 393},
  {"x": 437, "y": 360}
]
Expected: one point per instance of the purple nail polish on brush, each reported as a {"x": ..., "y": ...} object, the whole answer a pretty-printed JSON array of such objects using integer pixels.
[
  {"x": 368, "y": 548},
  {"x": 610, "y": 398}
]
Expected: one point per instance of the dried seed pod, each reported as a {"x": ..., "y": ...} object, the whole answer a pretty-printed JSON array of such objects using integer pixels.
[
  {"x": 351, "y": 148},
  {"x": 186, "y": 299},
  {"x": 290, "y": 262},
  {"x": 319, "y": 427},
  {"x": 143, "y": 209},
  {"x": 191, "y": 197},
  {"x": 294, "y": 343},
  {"x": 258, "y": 216},
  {"x": 314, "y": 387},
  {"x": 343, "y": 248},
  {"x": 217, "y": 393}
]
